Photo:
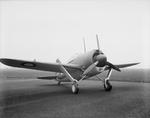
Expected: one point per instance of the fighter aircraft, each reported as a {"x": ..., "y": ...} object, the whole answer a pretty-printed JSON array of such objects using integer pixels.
[{"x": 82, "y": 67}]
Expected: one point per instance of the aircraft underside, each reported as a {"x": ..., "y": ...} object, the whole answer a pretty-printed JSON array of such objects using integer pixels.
[
  {"x": 75, "y": 87},
  {"x": 67, "y": 77}
]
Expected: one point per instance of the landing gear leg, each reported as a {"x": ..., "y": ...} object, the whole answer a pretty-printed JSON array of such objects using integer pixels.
[
  {"x": 107, "y": 85},
  {"x": 75, "y": 88}
]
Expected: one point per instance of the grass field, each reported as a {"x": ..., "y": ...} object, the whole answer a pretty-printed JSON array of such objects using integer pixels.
[{"x": 132, "y": 75}]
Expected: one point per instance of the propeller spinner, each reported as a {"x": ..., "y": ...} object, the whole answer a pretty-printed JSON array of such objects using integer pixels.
[{"x": 100, "y": 58}]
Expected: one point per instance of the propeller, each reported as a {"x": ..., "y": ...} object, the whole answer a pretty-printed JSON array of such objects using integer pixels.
[
  {"x": 100, "y": 60},
  {"x": 90, "y": 68},
  {"x": 113, "y": 66},
  {"x": 98, "y": 46},
  {"x": 100, "y": 57},
  {"x": 84, "y": 45}
]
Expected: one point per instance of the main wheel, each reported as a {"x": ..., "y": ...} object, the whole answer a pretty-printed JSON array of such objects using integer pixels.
[
  {"x": 107, "y": 86},
  {"x": 75, "y": 89},
  {"x": 59, "y": 83}
]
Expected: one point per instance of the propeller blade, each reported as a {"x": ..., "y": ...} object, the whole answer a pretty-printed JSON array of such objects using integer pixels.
[
  {"x": 84, "y": 45},
  {"x": 98, "y": 46},
  {"x": 113, "y": 66},
  {"x": 90, "y": 68}
]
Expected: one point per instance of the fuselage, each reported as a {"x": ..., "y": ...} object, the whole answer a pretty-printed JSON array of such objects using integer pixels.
[{"x": 84, "y": 61}]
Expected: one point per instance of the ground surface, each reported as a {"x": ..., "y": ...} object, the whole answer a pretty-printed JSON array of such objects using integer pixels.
[{"x": 44, "y": 99}]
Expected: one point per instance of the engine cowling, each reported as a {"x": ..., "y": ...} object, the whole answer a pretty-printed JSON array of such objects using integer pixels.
[{"x": 86, "y": 59}]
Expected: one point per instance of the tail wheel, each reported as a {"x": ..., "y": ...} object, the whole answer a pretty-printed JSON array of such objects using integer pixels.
[
  {"x": 107, "y": 86},
  {"x": 75, "y": 88}
]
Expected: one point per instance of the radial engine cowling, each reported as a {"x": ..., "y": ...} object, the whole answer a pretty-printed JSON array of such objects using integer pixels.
[{"x": 85, "y": 60}]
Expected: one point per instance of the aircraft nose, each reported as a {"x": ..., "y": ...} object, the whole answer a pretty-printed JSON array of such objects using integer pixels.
[{"x": 102, "y": 59}]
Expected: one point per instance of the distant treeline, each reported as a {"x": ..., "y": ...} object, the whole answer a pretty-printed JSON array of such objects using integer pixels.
[
  {"x": 22, "y": 73},
  {"x": 131, "y": 75}
]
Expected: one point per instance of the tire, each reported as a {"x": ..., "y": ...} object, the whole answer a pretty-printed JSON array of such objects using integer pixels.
[
  {"x": 107, "y": 86},
  {"x": 59, "y": 83},
  {"x": 75, "y": 89}
]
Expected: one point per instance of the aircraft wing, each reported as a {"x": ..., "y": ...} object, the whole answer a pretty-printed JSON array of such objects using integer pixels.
[
  {"x": 54, "y": 67},
  {"x": 126, "y": 65}
]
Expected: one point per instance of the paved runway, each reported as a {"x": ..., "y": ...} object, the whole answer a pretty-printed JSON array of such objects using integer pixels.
[{"x": 45, "y": 99}]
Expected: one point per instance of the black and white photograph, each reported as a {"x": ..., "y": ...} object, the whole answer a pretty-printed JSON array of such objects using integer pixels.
[{"x": 74, "y": 58}]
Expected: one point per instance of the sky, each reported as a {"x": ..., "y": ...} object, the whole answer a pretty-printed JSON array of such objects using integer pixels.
[{"x": 49, "y": 29}]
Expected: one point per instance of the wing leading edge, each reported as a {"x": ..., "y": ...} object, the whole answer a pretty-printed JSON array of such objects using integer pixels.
[{"x": 54, "y": 67}]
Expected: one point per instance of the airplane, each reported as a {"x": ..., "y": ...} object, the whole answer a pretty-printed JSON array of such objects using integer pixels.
[{"x": 84, "y": 66}]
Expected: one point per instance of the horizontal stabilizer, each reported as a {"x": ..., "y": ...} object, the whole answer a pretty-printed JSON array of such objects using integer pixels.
[{"x": 47, "y": 77}]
